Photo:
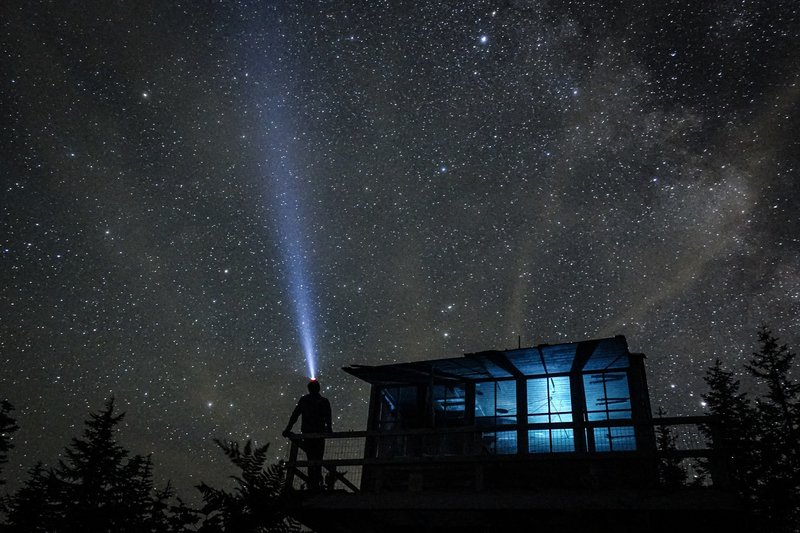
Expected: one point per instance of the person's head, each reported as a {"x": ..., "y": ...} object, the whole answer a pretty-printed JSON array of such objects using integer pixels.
[{"x": 313, "y": 386}]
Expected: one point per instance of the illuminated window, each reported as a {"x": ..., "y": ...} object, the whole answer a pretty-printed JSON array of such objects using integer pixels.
[
  {"x": 495, "y": 405},
  {"x": 614, "y": 439},
  {"x": 608, "y": 398},
  {"x": 549, "y": 402},
  {"x": 551, "y": 440}
]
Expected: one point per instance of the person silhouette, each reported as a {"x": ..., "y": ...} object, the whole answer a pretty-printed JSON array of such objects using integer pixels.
[{"x": 315, "y": 410}]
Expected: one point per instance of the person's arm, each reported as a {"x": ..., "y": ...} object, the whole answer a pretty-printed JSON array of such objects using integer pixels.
[{"x": 292, "y": 420}]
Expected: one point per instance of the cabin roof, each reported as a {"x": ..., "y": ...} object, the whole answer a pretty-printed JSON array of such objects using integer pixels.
[{"x": 541, "y": 360}]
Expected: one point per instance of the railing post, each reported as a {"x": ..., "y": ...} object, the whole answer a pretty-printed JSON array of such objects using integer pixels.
[
  {"x": 291, "y": 465},
  {"x": 718, "y": 464}
]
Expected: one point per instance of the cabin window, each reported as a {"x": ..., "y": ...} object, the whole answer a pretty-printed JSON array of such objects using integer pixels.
[
  {"x": 608, "y": 398},
  {"x": 399, "y": 408},
  {"x": 551, "y": 440},
  {"x": 614, "y": 439},
  {"x": 496, "y": 405},
  {"x": 449, "y": 403},
  {"x": 550, "y": 402}
]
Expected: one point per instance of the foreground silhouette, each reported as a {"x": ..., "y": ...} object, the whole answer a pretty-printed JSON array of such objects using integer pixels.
[
  {"x": 7, "y": 427},
  {"x": 256, "y": 503},
  {"x": 315, "y": 411},
  {"x": 100, "y": 486},
  {"x": 761, "y": 437}
]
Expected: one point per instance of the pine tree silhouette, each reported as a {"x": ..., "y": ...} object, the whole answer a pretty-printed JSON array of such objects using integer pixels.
[
  {"x": 7, "y": 427},
  {"x": 36, "y": 507},
  {"x": 734, "y": 436},
  {"x": 756, "y": 444},
  {"x": 671, "y": 473},
  {"x": 98, "y": 487},
  {"x": 779, "y": 414}
]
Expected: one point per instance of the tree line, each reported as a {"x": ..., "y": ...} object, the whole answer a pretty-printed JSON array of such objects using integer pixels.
[
  {"x": 753, "y": 437},
  {"x": 757, "y": 434},
  {"x": 99, "y": 486}
]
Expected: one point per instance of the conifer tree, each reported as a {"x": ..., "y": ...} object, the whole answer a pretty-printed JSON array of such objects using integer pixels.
[
  {"x": 95, "y": 475},
  {"x": 756, "y": 444},
  {"x": 7, "y": 427},
  {"x": 733, "y": 434},
  {"x": 670, "y": 471},
  {"x": 778, "y": 492},
  {"x": 780, "y": 407},
  {"x": 35, "y": 507},
  {"x": 98, "y": 487}
]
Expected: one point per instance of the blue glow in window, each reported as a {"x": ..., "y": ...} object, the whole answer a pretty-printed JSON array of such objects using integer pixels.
[
  {"x": 607, "y": 396},
  {"x": 551, "y": 440},
  {"x": 614, "y": 439},
  {"x": 496, "y": 402},
  {"x": 495, "y": 405},
  {"x": 505, "y": 443},
  {"x": 549, "y": 400},
  {"x": 539, "y": 441}
]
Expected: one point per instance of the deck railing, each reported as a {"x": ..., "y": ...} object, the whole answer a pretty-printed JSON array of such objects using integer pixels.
[{"x": 347, "y": 453}]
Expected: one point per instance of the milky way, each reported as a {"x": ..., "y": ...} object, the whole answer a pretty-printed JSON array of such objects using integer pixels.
[{"x": 443, "y": 178}]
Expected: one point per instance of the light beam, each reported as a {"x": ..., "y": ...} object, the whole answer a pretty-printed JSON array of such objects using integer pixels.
[{"x": 288, "y": 204}]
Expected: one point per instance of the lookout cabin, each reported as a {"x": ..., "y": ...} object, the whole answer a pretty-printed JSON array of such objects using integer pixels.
[{"x": 560, "y": 435}]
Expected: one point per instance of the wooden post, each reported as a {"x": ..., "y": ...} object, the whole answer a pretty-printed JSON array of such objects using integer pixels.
[{"x": 291, "y": 466}]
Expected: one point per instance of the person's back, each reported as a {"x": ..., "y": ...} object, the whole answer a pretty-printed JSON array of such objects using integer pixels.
[{"x": 316, "y": 412}]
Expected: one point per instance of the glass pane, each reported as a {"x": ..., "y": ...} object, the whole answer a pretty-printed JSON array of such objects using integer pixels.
[
  {"x": 546, "y": 441},
  {"x": 448, "y": 401},
  {"x": 560, "y": 400},
  {"x": 506, "y": 442},
  {"x": 614, "y": 439},
  {"x": 539, "y": 441},
  {"x": 527, "y": 361},
  {"x": 623, "y": 439},
  {"x": 539, "y": 419},
  {"x": 550, "y": 396},
  {"x": 484, "y": 399},
  {"x": 602, "y": 442},
  {"x": 499, "y": 442},
  {"x": 607, "y": 393},
  {"x": 537, "y": 396},
  {"x": 496, "y": 402},
  {"x": 563, "y": 440},
  {"x": 398, "y": 407},
  {"x": 506, "y": 398},
  {"x": 619, "y": 415}
]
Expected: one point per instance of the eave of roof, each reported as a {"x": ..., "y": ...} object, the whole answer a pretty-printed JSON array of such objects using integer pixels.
[{"x": 541, "y": 360}]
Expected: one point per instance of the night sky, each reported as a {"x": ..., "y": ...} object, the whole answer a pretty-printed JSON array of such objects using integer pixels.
[{"x": 197, "y": 196}]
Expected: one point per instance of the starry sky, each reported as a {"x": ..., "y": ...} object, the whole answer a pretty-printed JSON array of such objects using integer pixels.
[{"x": 196, "y": 196}]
